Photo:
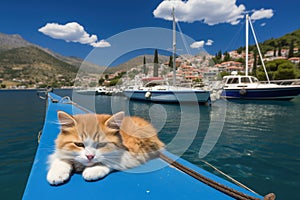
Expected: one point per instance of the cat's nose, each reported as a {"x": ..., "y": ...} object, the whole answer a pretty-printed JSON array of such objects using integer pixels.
[{"x": 90, "y": 157}]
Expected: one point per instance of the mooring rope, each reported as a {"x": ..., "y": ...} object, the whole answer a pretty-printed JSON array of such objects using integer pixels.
[
  {"x": 222, "y": 188},
  {"x": 229, "y": 177}
]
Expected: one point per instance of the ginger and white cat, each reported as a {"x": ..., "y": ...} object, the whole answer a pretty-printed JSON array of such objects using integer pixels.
[{"x": 96, "y": 144}]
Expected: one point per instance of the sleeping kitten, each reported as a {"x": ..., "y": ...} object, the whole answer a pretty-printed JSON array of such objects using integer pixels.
[{"x": 96, "y": 144}]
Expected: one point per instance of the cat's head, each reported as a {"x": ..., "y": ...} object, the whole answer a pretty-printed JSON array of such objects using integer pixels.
[{"x": 87, "y": 138}]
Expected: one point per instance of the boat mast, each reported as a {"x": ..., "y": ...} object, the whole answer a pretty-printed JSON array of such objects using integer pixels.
[
  {"x": 174, "y": 47},
  {"x": 259, "y": 52},
  {"x": 247, "y": 43}
]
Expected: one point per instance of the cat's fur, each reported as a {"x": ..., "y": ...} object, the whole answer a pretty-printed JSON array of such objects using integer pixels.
[{"x": 96, "y": 144}]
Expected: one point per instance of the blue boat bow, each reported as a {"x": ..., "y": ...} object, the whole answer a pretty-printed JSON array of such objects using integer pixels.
[{"x": 160, "y": 178}]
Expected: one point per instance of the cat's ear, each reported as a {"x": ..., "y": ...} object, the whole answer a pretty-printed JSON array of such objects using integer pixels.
[
  {"x": 115, "y": 121},
  {"x": 65, "y": 119}
]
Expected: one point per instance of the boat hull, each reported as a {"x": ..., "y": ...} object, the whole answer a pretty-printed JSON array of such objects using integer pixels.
[
  {"x": 281, "y": 93},
  {"x": 169, "y": 96}
]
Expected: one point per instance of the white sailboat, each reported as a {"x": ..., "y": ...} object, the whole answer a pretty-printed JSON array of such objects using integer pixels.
[
  {"x": 248, "y": 87},
  {"x": 161, "y": 91}
]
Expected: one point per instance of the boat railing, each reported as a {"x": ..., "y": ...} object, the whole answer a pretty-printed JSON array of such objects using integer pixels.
[
  {"x": 156, "y": 83},
  {"x": 284, "y": 82}
]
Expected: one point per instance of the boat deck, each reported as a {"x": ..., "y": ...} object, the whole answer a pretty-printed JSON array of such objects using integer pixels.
[{"x": 156, "y": 179}]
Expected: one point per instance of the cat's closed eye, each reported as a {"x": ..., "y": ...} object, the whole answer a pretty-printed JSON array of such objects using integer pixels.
[
  {"x": 79, "y": 144},
  {"x": 100, "y": 145}
]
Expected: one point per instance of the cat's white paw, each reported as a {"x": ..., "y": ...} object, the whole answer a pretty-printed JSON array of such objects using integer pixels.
[
  {"x": 59, "y": 172},
  {"x": 95, "y": 172}
]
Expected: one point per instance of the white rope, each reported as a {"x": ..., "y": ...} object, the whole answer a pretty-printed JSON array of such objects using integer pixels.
[
  {"x": 184, "y": 40},
  {"x": 229, "y": 177}
]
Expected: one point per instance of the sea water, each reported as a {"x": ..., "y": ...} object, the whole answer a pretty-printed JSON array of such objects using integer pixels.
[{"x": 255, "y": 142}]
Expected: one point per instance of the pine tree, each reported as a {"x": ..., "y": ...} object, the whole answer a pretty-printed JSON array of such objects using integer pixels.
[
  {"x": 144, "y": 66},
  {"x": 291, "y": 50},
  {"x": 155, "y": 70},
  {"x": 226, "y": 56},
  {"x": 171, "y": 62},
  {"x": 254, "y": 63},
  {"x": 279, "y": 51}
]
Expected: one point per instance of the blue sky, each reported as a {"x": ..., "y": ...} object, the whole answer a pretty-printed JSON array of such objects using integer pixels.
[{"x": 75, "y": 28}]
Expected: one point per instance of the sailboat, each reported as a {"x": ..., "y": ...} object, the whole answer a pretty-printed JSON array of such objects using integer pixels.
[
  {"x": 248, "y": 87},
  {"x": 159, "y": 90}
]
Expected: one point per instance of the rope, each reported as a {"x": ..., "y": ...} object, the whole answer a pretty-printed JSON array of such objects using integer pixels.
[
  {"x": 229, "y": 177},
  {"x": 67, "y": 100},
  {"x": 222, "y": 188},
  {"x": 39, "y": 135}
]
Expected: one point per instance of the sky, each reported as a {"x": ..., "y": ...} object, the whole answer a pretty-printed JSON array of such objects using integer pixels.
[{"x": 77, "y": 28}]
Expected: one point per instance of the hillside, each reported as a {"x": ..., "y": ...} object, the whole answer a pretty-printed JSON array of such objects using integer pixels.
[
  {"x": 32, "y": 65},
  {"x": 275, "y": 44},
  {"x": 136, "y": 62},
  {"x": 284, "y": 41},
  {"x": 8, "y": 42},
  {"x": 27, "y": 64}
]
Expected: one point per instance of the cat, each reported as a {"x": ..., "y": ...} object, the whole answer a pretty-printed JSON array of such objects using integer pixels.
[{"x": 96, "y": 144}]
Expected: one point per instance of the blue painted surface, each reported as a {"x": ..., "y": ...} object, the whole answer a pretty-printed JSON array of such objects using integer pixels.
[
  {"x": 163, "y": 183},
  {"x": 260, "y": 94}
]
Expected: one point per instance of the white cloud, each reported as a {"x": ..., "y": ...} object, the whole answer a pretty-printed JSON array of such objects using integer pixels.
[
  {"x": 209, "y": 42},
  {"x": 101, "y": 44},
  {"x": 72, "y": 32},
  {"x": 197, "y": 44},
  {"x": 262, "y": 13},
  {"x": 210, "y": 12},
  {"x": 263, "y": 24},
  {"x": 202, "y": 43}
]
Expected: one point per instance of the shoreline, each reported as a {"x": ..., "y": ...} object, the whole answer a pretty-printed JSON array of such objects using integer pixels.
[{"x": 33, "y": 89}]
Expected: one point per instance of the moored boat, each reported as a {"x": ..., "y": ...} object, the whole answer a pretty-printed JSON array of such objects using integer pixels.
[
  {"x": 166, "y": 93},
  {"x": 155, "y": 91},
  {"x": 248, "y": 87}
]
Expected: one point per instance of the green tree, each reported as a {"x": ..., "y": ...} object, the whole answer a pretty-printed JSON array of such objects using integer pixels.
[
  {"x": 254, "y": 63},
  {"x": 274, "y": 54},
  {"x": 278, "y": 70},
  {"x": 291, "y": 49},
  {"x": 155, "y": 70},
  {"x": 222, "y": 74},
  {"x": 279, "y": 51},
  {"x": 226, "y": 57},
  {"x": 144, "y": 65},
  {"x": 114, "y": 82},
  {"x": 101, "y": 81},
  {"x": 285, "y": 72},
  {"x": 171, "y": 62},
  {"x": 240, "y": 50},
  {"x": 219, "y": 55}
]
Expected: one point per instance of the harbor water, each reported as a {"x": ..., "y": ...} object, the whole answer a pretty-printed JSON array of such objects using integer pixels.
[{"x": 255, "y": 142}]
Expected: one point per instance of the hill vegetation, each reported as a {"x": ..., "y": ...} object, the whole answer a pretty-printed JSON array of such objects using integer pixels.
[
  {"x": 288, "y": 41},
  {"x": 31, "y": 65},
  {"x": 278, "y": 69}
]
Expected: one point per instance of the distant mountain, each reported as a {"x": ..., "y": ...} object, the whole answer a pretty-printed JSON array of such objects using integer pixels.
[
  {"x": 24, "y": 63},
  {"x": 8, "y": 42},
  {"x": 136, "y": 62},
  {"x": 31, "y": 65}
]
